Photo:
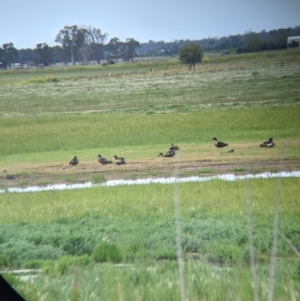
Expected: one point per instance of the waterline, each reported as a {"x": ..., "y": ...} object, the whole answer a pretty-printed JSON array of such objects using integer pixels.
[{"x": 171, "y": 180}]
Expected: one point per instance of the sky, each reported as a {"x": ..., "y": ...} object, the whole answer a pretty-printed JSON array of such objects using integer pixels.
[{"x": 27, "y": 23}]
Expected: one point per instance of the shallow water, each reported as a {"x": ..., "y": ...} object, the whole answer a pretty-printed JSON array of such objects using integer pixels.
[{"x": 225, "y": 177}]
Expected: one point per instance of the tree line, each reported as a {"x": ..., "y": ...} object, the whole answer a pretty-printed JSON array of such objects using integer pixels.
[
  {"x": 247, "y": 42},
  {"x": 77, "y": 44},
  {"x": 84, "y": 44}
]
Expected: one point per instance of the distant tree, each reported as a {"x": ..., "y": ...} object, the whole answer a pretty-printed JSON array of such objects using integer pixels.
[
  {"x": 57, "y": 54},
  {"x": 277, "y": 38},
  {"x": 190, "y": 55},
  {"x": 174, "y": 48},
  {"x": 1, "y": 53},
  {"x": 97, "y": 40},
  {"x": 252, "y": 43},
  {"x": 43, "y": 54},
  {"x": 115, "y": 45},
  {"x": 211, "y": 42},
  {"x": 235, "y": 41},
  {"x": 26, "y": 56},
  {"x": 72, "y": 39},
  {"x": 128, "y": 49},
  {"x": 293, "y": 44},
  {"x": 84, "y": 53},
  {"x": 9, "y": 54}
]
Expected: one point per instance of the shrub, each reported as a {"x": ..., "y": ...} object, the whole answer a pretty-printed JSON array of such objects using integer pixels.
[
  {"x": 83, "y": 260},
  {"x": 166, "y": 254},
  {"x": 76, "y": 245},
  {"x": 225, "y": 254},
  {"x": 5, "y": 259},
  {"x": 33, "y": 264},
  {"x": 64, "y": 265},
  {"x": 105, "y": 252},
  {"x": 2, "y": 239}
]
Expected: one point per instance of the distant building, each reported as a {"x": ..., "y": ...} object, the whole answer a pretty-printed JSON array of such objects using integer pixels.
[
  {"x": 292, "y": 41},
  {"x": 16, "y": 66}
]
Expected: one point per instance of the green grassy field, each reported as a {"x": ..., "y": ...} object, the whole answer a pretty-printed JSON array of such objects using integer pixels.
[{"x": 122, "y": 243}]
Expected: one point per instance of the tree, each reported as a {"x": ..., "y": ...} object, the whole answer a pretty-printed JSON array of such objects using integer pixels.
[
  {"x": 43, "y": 53},
  {"x": 252, "y": 43},
  {"x": 26, "y": 56},
  {"x": 84, "y": 53},
  {"x": 9, "y": 54},
  {"x": 174, "y": 48},
  {"x": 57, "y": 54},
  {"x": 128, "y": 49},
  {"x": 72, "y": 39},
  {"x": 191, "y": 54},
  {"x": 96, "y": 42},
  {"x": 115, "y": 45},
  {"x": 293, "y": 44}
]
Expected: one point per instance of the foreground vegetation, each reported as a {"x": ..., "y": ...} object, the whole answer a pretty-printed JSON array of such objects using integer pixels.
[
  {"x": 59, "y": 232},
  {"x": 123, "y": 243}
]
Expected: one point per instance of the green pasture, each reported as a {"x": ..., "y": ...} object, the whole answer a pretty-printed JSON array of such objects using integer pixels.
[
  {"x": 139, "y": 202},
  {"x": 154, "y": 87},
  {"x": 136, "y": 110},
  {"x": 25, "y": 137},
  {"x": 63, "y": 73}
]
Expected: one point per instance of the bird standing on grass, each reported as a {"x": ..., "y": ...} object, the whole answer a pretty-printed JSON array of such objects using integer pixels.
[
  {"x": 219, "y": 144},
  {"x": 8, "y": 177},
  {"x": 74, "y": 161},
  {"x": 174, "y": 147},
  {"x": 103, "y": 161},
  {"x": 269, "y": 143},
  {"x": 169, "y": 154}
]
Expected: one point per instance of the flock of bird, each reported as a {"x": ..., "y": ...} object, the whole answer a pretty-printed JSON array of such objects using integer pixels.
[
  {"x": 170, "y": 153},
  {"x": 269, "y": 143}
]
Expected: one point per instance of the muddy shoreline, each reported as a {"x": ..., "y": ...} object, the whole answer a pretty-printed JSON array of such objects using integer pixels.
[{"x": 41, "y": 175}]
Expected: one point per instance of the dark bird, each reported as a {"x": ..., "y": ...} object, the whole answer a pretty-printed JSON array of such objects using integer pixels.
[
  {"x": 228, "y": 152},
  {"x": 174, "y": 147},
  {"x": 103, "y": 161},
  {"x": 219, "y": 144},
  {"x": 8, "y": 177},
  {"x": 169, "y": 154},
  {"x": 74, "y": 161},
  {"x": 120, "y": 160},
  {"x": 269, "y": 143}
]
